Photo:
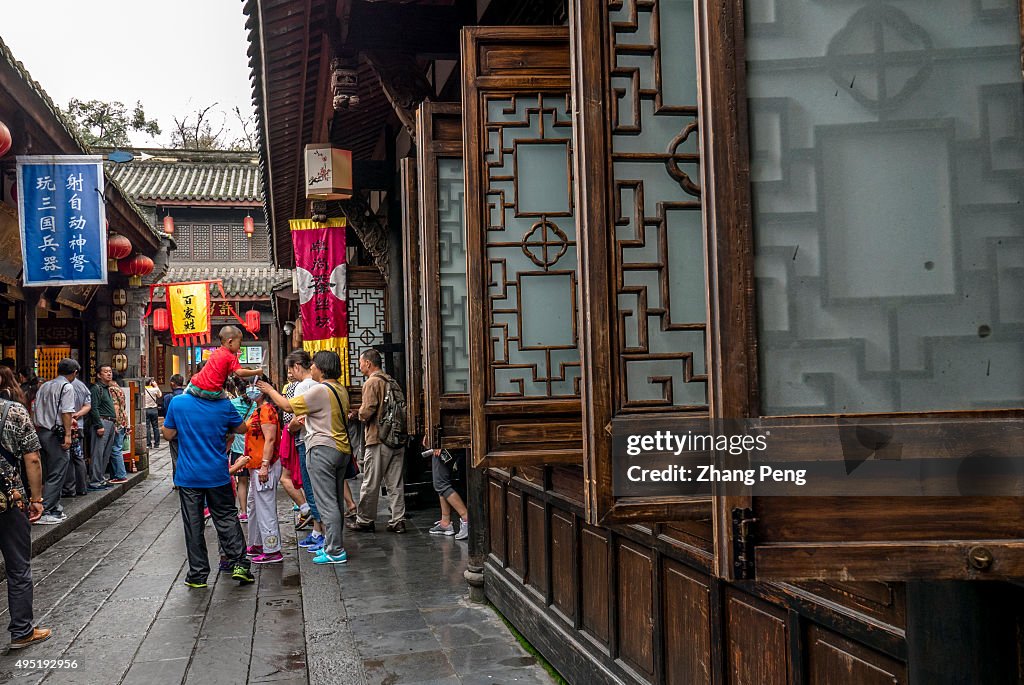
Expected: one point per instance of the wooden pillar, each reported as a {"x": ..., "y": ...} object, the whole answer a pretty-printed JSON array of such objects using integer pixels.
[
  {"x": 476, "y": 504},
  {"x": 27, "y": 328},
  {"x": 962, "y": 632}
]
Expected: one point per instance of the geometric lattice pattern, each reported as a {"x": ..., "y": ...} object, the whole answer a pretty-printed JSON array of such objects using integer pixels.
[
  {"x": 451, "y": 228},
  {"x": 366, "y": 321},
  {"x": 888, "y": 190},
  {"x": 659, "y": 235},
  {"x": 531, "y": 247}
]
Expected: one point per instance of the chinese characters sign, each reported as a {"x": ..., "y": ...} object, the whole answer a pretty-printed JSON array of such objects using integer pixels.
[
  {"x": 321, "y": 273},
  {"x": 62, "y": 219},
  {"x": 189, "y": 305}
]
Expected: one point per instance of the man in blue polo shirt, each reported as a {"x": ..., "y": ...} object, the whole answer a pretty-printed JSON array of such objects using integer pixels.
[{"x": 201, "y": 427}]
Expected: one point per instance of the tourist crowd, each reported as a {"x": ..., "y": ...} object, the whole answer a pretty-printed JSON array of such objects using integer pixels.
[{"x": 234, "y": 441}]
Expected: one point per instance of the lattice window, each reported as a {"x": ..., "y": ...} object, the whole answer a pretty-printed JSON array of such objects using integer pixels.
[
  {"x": 531, "y": 247},
  {"x": 183, "y": 239},
  {"x": 260, "y": 244},
  {"x": 240, "y": 244},
  {"x": 451, "y": 227},
  {"x": 658, "y": 256},
  {"x": 886, "y": 162},
  {"x": 366, "y": 322},
  {"x": 201, "y": 243},
  {"x": 221, "y": 246}
]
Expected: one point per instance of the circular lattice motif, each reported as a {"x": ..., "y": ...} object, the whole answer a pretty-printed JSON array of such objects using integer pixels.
[
  {"x": 545, "y": 243},
  {"x": 880, "y": 57}
]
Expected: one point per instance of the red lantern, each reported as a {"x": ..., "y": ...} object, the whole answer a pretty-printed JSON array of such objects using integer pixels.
[
  {"x": 252, "y": 320},
  {"x": 161, "y": 319},
  {"x": 5, "y": 139},
  {"x": 138, "y": 266},
  {"x": 249, "y": 226},
  {"x": 169, "y": 225},
  {"x": 118, "y": 247}
]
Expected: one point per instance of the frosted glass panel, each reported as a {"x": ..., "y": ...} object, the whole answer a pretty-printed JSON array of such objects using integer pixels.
[
  {"x": 452, "y": 252},
  {"x": 888, "y": 192}
]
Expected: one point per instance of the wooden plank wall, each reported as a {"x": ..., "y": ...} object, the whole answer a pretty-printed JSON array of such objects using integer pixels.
[{"x": 638, "y": 604}]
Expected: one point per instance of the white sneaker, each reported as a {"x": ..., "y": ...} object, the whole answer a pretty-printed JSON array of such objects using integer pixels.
[
  {"x": 438, "y": 529},
  {"x": 51, "y": 520},
  {"x": 463, "y": 531}
]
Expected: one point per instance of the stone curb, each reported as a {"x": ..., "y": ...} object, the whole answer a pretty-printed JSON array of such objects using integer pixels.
[{"x": 52, "y": 534}]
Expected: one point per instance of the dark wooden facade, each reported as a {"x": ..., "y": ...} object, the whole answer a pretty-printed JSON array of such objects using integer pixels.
[{"x": 654, "y": 254}]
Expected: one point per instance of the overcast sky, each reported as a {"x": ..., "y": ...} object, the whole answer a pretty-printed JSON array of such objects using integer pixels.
[{"x": 176, "y": 57}]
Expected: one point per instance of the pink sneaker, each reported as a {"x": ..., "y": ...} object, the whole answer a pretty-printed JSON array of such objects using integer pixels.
[
  {"x": 268, "y": 558},
  {"x": 243, "y": 518},
  {"x": 254, "y": 550}
]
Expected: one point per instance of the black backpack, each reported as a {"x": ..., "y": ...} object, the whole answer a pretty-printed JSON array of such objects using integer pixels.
[{"x": 391, "y": 417}]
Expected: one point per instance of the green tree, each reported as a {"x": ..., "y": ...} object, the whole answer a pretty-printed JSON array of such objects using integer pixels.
[
  {"x": 207, "y": 129},
  {"x": 107, "y": 124}
]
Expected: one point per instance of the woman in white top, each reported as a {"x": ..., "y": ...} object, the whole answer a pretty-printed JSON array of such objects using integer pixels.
[{"x": 150, "y": 402}]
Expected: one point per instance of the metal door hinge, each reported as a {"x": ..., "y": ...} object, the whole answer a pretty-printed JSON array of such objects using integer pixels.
[{"x": 743, "y": 543}]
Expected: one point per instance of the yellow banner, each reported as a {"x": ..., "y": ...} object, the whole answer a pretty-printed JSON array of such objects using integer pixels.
[{"x": 189, "y": 305}]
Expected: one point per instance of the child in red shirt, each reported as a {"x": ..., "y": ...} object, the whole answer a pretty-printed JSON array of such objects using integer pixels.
[{"x": 208, "y": 384}]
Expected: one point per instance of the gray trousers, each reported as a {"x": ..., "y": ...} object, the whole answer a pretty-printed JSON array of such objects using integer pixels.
[
  {"x": 102, "y": 446},
  {"x": 326, "y": 467},
  {"x": 382, "y": 464},
  {"x": 16, "y": 546},
  {"x": 55, "y": 469}
]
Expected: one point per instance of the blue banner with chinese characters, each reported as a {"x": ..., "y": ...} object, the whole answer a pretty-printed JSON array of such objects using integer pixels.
[{"x": 62, "y": 219}]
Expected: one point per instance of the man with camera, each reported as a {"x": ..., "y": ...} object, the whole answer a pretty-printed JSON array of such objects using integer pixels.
[{"x": 52, "y": 413}]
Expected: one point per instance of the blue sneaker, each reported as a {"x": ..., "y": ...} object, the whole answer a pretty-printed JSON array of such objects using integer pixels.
[
  {"x": 324, "y": 558},
  {"x": 310, "y": 539},
  {"x": 317, "y": 546}
]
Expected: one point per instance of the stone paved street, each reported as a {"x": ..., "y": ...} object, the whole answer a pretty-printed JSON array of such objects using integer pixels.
[{"x": 396, "y": 613}]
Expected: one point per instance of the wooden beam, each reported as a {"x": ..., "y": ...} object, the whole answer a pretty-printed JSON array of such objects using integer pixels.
[
  {"x": 427, "y": 31},
  {"x": 404, "y": 85}
]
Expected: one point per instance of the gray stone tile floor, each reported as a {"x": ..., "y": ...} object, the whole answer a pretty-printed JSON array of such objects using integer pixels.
[{"x": 398, "y": 612}]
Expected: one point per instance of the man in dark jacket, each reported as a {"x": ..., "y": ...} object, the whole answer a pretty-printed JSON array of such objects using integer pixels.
[{"x": 101, "y": 423}]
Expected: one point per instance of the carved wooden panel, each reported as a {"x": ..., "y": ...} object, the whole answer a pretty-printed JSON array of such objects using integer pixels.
[
  {"x": 442, "y": 264},
  {"x": 536, "y": 547},
  {"x": 832, "y": 658},
  {"x": 563, "y": 564},
  {"x": 635, "y": 609},
  {"x": 514, "y": 530},
  {"x": 496, "y": 521},
  {"x": 757, "y": 642},
  {"x": 594, "y": 557},
  {"x": 642, "y": 225},
  {"x": 521, "y": 230},
  {"x": 687, "y": 629}
]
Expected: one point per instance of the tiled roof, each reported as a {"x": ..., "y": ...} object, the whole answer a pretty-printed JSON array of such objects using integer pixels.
[
  {"x": 183, "y": 175},
  {"x": 252, "y": 281}
]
